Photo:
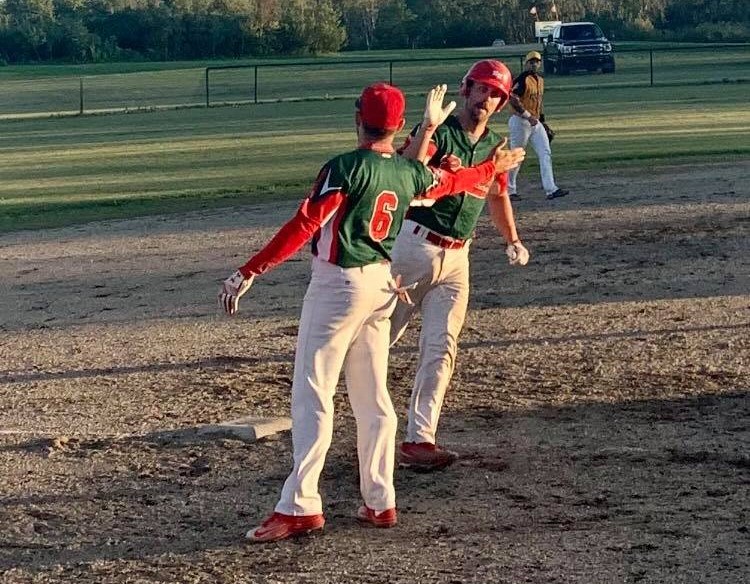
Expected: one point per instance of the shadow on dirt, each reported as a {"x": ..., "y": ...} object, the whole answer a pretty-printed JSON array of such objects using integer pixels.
[
  {"x": 632, "y": 482},
  {"x": 217, "y": 363},
  {"x": 228, "y": 362},
  {"x": 651, "y": 235}
]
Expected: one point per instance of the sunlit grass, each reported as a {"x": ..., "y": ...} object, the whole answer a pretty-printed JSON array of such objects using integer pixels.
[{"x": 59, "y": 171}]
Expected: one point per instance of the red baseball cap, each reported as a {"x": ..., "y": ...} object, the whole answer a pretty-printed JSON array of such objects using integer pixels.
[{"x": 381, "y": 106}]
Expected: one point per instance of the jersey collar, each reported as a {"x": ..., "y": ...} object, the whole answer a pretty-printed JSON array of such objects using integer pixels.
[{"x": 375, "y": 147}]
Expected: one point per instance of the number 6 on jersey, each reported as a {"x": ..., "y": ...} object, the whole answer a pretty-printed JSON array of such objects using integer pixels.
[{"x": 382, "y": 217}]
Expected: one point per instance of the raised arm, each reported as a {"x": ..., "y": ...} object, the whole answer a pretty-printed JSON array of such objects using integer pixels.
[{"x": 418, "y": 146}]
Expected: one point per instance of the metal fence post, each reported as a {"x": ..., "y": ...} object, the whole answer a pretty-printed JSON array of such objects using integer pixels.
[
  {"x": 80, "y": 96},
  {"x": 255, "y": 84},
  {"x": 390, "y": 72},
  {"x": 208, "y": 103},
  {"x": 651, "y": 65}
]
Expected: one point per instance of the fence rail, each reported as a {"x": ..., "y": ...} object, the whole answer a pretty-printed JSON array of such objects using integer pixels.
[
  {"x": 636, "y": 67},
  {"x": 329, "y": 79}
]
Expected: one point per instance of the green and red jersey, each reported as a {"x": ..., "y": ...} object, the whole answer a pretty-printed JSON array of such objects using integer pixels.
[
  {"x": 451, "y": 149},
  {"x": 357, "y": 205}
]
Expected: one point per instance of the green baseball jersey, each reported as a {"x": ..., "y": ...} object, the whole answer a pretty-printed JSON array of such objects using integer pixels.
[
  {"x": 456, "y": 216},
  {"x": 357, "y": 205},
  {"x": 375, "y": 190}
]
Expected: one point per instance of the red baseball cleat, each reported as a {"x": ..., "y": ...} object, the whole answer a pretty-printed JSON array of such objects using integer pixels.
[
  {"x": 279, "y": 526},
  {"x": 385, "y": 518},
  {"x": 424, "y": 456}
]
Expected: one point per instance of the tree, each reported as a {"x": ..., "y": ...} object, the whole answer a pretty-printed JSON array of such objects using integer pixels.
[
  {"x": 170, "y": 29},
  {"x": 433, "y": 21},
  {"x": 311, "y": 27},
  {"x": 360, "y": 18},
  {"x": 395, "y": 26},
  {"x": 32, "y": 21},
  {"x": 70, "y": 39}
]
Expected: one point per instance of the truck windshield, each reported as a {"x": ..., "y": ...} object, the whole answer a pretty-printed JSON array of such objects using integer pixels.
[{"x": 581, "y": 32}]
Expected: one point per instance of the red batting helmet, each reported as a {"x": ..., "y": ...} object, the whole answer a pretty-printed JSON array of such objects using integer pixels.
[{"x": 492, "y": 73}]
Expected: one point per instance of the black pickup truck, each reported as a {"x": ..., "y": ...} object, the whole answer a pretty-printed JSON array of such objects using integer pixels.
[{"x": 577, "y": 46}]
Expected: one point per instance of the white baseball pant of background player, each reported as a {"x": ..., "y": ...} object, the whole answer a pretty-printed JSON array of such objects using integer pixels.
[
  {"x": 521, "y": 133},
  {"x": 344, "y": 322},
  {"x": 442, "y": 292}
]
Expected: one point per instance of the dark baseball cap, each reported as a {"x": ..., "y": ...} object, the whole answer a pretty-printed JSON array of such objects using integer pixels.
[{"x": 381, "y": 106}]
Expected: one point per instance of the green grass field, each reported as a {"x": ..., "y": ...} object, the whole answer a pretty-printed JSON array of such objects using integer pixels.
[{"x": 66, "y": 170}]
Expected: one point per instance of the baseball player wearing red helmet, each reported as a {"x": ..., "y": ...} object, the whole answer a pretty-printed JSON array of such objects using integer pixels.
[
  {"x": 352, "y": 215},
  {"x": 432, "y": 250}
]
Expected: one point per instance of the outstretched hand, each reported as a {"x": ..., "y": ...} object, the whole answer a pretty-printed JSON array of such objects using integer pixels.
[
  {"x": 232, "y": 290},
  {"x": 434, "y": 112},
  {"x": 506, "y": 160}
]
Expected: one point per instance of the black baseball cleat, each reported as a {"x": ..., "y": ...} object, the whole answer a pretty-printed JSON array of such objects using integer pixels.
[
  {"x": 557, "y": 194},
  {"x": 514, "y": 197}
]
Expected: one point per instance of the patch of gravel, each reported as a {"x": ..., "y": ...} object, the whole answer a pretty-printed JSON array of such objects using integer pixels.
[{"x": 601, "y": 402}]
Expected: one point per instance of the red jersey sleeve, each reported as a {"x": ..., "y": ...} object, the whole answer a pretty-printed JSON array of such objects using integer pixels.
[
  {"x": 314, "y": 212},
  {"x": 464, "y": 179}
]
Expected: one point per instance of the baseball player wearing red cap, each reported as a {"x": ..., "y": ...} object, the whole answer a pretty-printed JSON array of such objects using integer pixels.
[
  {"x": 525, "y": 125},
  {"x": 432, "y": 250},
  {"x": 352, "y": 214}
]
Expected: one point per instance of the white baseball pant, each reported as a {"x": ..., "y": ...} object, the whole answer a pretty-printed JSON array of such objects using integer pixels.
[
  {"x": 344, "y": 323},
  {"x": 523, "y": 133},
  {"x": 442, "y": 295}
]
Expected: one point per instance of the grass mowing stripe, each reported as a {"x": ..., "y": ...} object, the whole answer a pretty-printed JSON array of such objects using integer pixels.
[
  {"x": 69, "y": 170},
  {"x": 87, "y": 199},
  {"x": 46, "y": 216},
  {"x": 178, "y": 145}
]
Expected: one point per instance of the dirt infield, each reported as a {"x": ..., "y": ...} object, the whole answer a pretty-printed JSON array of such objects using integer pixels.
[{"x": 601, "y": 403}]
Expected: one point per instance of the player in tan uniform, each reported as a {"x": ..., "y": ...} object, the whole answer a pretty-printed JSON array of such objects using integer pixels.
[
  {"x": 525, "y": 125},
  {"x": 352, "y": 214}
]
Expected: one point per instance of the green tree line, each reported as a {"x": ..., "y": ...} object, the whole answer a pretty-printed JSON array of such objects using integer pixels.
[{"x": 110, "y": 30}]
